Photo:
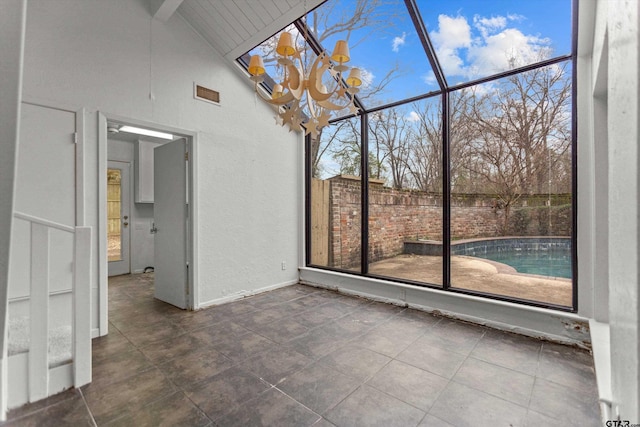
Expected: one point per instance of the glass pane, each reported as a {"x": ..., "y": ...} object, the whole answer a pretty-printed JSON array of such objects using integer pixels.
[
  {"x": 114, "y": 232},
  {"x": 480, "y": 38},
  {"x": 383, "y": 44},
  {"x": 335, "y": 197},
  {"x": 405, "y": 192},
  {"x": 511, "y": 215}
]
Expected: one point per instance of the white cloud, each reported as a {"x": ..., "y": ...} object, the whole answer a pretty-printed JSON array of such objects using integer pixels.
[
  {"x": 398, "y": 41},
  {"x": 453, "y": 34},
  {"x": 496, "y": 45},
  {"x": 367, "y": 77},
  {"x": 499, "y": 51},
  {"x": 413, "y": 117},
  {"x": 429, "y": 78},
  {"x": 489, "y": 25}
]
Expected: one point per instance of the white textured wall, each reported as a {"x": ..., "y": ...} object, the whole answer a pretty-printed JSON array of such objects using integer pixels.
[
  {"x": 12, "y": 27},
  {"x": 624, "y": 202},
  {"x": 110, "y": 56}
]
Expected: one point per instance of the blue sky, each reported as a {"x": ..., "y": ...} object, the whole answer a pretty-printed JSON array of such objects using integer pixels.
[{"x": 473, "y": 39}]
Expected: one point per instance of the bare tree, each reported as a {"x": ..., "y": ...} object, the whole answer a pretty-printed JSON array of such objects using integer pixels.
[
  {"x": 389, "y": 145},
  {"x": 366, "y": 18},
  {"x": 425, "y": 162},
  {"x": 427, "y": 143},
  {"x": 522, "y": 133}
]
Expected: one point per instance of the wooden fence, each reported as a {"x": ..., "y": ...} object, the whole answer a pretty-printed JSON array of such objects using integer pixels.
[{"x": 320, "y": 221}]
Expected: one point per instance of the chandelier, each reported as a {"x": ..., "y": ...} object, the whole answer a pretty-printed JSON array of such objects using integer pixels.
[{"x": 301, "y": 97}]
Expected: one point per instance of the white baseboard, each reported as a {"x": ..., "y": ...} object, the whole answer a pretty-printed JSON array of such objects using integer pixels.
[{"x": 243, "y": 294}]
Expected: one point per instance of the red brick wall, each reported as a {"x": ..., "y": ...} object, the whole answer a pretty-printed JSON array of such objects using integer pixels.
[{"x": 399, "y": 215}]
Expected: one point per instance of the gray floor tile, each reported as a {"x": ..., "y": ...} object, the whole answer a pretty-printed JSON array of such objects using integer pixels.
[
  {"x": 317, "y": 343},
  {"x": 281, "y": 331},
  {"x": 536, "y": 419},
  {"x": 319, "y": 387},
  {"x": 235, "y": 309},
  {"x": 501, "y": 382},
  {"x": 172, "y": 410},
  {"x": 318, "y": 316},
  {"x": 509, "y": 350},
  {"x": 211, "y": 335},
  {"x": 112, "y": 343},
  {"x": 70, "y": 411},
  {"x": 453, "y": 336},
  {"x": 260, "y": 317},
  {"x": 323, "y": 423},
  {"x": 170, "y": 349},
  {"x": 463, "y": 406},
  {"x": 119, "y": 366},
  {"x": 433, "y": 359},
  {"x": 410, "y": 384},
  {"x": 271, "y": 408},
  {"x": 431, "y": 421},
  {"x": 357, "y": 362},
  {"x": 564, "y": 403},
  {"x": 276, "y": 364},
  {"x": 145, "y": 334},
  {"x": 112, "y": 401},
  {"x": 347, "y": 327},
  {"x": 241, "y": 347},
  {"x": 289, "y": 293},
  {"x": 420, "y": 318},
  {"x": 567, "y": 365},
  {"x": 191, "y": 320},
  {"x": 375, "y": 313},
  {"x": 218, "y": 395},
  {"x": 304, "y": 353},
  {"x": 370, "y": 407},
  {"x": 390, "y": 338},
  {"x": 202, "y": 363}
]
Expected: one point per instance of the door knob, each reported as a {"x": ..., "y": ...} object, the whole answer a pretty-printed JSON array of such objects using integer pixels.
[{"x": 125, "y": 223}]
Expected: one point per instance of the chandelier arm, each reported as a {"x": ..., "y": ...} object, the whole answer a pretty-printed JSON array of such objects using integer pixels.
[
  {"x": 295, "y": 84},
  {"x": 282, "y": 100},
  {"x": 332, "y": 106},
  {"x": 313, "y": 80}
]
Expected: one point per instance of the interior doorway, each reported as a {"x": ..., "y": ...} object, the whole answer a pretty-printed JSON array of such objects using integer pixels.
[
  {"x": 139, "y": 223},
  {"x": 118, "y": 218}
]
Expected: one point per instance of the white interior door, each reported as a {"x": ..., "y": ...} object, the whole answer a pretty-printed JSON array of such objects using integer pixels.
[
  {"x": 170, "y": 216},
  {"x": 118, "y": 218}
]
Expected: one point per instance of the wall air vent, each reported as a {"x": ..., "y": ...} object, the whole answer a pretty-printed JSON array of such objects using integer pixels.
[{"x": 205, "y": 94}]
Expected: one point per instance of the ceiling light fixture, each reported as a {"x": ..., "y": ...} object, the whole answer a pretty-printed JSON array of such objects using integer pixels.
[
  {"x": 111, "y": 128},
  {"x": 313, "y": 110},
  {"x": 146, "y": 132}
]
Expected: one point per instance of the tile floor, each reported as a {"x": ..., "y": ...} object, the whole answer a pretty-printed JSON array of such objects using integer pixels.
[{"x": 301, "y": 356}]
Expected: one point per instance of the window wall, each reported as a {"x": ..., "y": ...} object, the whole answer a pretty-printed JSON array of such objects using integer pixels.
[
  {"x": 467, "y": 187},
  {"x": 405, "y": 192},
  {"x": 335, "y": 223},
  {"x": 458, "y": 170},
  {"x": 511, "y": 191}
]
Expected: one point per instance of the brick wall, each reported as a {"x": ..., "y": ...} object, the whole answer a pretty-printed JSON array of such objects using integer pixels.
[{"x": 399, "y": 215}]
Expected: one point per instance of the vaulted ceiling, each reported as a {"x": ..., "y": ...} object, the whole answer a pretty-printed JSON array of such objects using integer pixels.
[{"x": 234, "y": 27}]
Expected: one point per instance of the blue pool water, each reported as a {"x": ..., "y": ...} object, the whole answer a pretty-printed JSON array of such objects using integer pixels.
[{"x": 554, "y": 263}]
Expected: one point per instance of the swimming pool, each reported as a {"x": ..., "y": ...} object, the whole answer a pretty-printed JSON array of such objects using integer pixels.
[
  {"x": 555, "y": 263},
  {"x": 545, "y": 256}
]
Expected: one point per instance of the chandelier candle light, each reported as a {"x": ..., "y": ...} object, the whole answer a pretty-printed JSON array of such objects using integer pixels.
[{"x": 289, "y": 95}]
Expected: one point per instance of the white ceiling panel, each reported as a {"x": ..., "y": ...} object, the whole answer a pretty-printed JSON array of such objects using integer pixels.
[{"x": 234, "y": 27}]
